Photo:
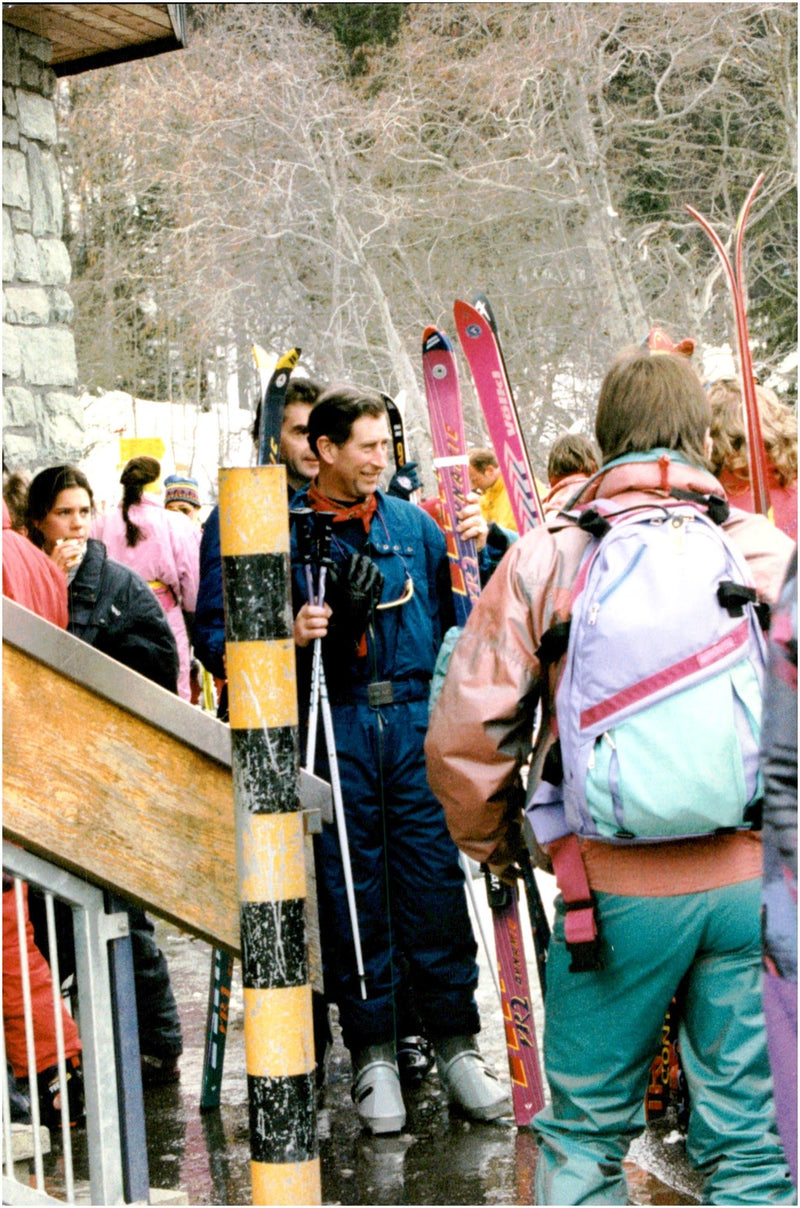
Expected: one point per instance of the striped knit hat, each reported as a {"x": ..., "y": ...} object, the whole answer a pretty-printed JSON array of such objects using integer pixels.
[{"x": 180, "y": 488}]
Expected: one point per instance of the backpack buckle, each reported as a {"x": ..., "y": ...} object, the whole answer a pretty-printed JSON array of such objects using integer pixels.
[{"x": 582, "y": 936}]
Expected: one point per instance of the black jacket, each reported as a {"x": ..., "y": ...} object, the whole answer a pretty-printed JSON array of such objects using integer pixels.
[{"x": 113, "y": 609}]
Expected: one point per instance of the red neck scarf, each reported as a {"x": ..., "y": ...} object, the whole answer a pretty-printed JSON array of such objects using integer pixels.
[{"x": 363, "y": 511}]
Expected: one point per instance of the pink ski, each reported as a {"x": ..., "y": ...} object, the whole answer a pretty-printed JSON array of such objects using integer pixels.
[
  {"x": 450, "y": 460},
  {"x": 485, "y": 359}
]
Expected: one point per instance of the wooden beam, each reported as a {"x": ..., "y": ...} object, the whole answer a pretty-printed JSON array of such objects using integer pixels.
[{"x": 103, "y": 792}]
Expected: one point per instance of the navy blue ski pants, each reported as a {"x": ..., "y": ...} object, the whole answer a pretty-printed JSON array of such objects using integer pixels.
[{"x": 409, "y": 886}]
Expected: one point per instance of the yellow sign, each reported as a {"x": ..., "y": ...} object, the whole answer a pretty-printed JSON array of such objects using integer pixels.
[{"x": 142, "y": 446}]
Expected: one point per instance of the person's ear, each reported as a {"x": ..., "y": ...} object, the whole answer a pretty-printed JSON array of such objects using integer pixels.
[
  {"x": 326, "y": 450},
  {"x": 708, "y": 444}
]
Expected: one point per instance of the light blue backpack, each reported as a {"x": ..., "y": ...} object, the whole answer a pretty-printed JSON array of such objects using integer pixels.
[{"x": 658, "y": 706}]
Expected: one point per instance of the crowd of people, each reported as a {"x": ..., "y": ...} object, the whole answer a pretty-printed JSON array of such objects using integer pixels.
[{"x": 675, "y": 917}]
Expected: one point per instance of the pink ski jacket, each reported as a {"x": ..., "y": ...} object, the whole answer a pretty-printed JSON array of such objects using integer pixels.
[
  {"x": 167, "y": 557},
  {"x": 480, "y": 731}
]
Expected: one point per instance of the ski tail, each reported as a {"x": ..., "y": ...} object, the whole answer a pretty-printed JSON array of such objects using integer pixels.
[
  {"x": 273, "y": 402},
  {"x": 398, "y": 431},
  {"x": 485, "y": 358},
  {"x": 219, "y": 995},
  {"x": 450, "y": 461},
  {"x": 527, "y": 1091}
]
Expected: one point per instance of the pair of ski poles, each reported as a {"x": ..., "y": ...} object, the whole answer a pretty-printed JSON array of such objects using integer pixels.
[{"x": 314, "y": 531}]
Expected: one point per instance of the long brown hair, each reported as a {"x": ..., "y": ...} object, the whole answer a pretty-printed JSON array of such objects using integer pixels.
[
  {"x": 652, "y": 402},
  {"x": 138, "y": 472},
  {"x": 45, "y": 489}
]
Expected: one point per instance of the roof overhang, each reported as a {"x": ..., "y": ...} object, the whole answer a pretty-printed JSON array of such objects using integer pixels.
[{"x": 86, "y": 36}]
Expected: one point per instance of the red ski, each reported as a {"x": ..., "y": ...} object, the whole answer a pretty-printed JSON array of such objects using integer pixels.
[
  {"x": 756, "y": 452},
  {"x": 450, "y": 460},
  {"x": 482, "y": 350}
]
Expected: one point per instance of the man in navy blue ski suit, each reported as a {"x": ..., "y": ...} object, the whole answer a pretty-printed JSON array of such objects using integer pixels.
[{"x": 387, "y": 606}]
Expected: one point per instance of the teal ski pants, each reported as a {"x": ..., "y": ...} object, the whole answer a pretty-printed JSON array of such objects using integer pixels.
[{"x": 602, "y": 1030}]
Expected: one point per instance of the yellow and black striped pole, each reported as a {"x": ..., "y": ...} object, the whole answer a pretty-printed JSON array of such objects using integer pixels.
[{"x": 278, "y": 1028}]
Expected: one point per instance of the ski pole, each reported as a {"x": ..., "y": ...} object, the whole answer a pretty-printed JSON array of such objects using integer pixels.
[
  {"x": 464, "y": 862},
  {"x": 539, "y": 924},
  {"x": 319, "y": 691},
  {"x": 305, "y": 548}
]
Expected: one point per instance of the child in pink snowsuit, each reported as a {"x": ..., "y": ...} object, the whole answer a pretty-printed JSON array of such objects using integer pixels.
[{"x": 159, "y": 545}]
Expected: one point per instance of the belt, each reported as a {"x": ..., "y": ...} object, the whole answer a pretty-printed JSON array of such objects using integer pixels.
[
  {"x": 167, "y": 602},
  {"x": 383, "y": 692}
]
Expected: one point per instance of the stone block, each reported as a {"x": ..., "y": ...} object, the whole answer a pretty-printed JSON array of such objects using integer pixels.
[
  {"x": 54, "y": 259},
  {"x": 9, "y": 252},
  {"x": 21, "y": 220},
  {"x": 21, "y": 451},
  {"x": 33, "y": 46},
  {"x": 37, "y": 117},
  {"x": 29, "y": 306},
  {"x": 28, "y": 264},
  {"x": 10, "y": 132},
  {"x": 68, "y": 405},
  {"x": 10, "y": 55},
  {"x": 48, "y": 356},
  {"x": 16, "y": 190},
  {"x": 62, "y": 308},
  {"x": 9, "y": 103},
  {"x": 66, "y": 436},
  {"x": 47, "y": 199},
  {"x": 12, "y": 355},
  {"x": 19, "y": 407}
]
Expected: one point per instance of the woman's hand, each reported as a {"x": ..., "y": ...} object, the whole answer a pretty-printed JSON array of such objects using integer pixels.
[
  {"x": 67, "y": 552},
  {"x": 311, "y": 623}
]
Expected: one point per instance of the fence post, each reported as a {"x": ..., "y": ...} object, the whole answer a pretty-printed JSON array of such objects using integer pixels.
[{"x": 278, "y": 1029}]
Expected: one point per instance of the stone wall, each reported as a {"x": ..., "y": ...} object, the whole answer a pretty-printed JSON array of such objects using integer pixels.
[{"x": 42, "y": 417}]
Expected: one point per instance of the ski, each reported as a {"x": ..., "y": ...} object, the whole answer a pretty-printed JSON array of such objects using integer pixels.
[
  {"x": 272, "y": 404},
  {"x": 219, "y": 996},
  {"x": 451, "y": 461},
  {"x": 485, "y": 359},
  {"x": 523, "y": 1054},
  {"x": 756, "y": 452},
  {"x": 398, "y": 431}
]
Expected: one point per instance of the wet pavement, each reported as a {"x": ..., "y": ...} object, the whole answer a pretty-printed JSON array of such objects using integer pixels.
[{"x": 438, "y": 1159}]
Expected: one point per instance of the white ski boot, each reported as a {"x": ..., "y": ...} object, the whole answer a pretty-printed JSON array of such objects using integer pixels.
[
  {"x": 470, "y": 1084},
  {"x": 376, "y": 1089}
]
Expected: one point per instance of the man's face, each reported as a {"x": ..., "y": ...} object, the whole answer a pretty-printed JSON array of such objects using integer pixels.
[
  {"x": 353, "y": 470},
  {"x": 481, "y": 480},
  {"x": 301, "y": 464}
]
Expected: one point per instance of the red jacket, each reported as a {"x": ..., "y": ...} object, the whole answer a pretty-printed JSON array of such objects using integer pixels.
[
  {"x": 782, "y": 499},
  {"x": 30, "y": 578}
]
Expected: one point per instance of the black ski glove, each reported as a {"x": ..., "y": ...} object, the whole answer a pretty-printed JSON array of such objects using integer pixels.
[
  {"x": 354, "y": 588},
  {"x": 405, "y": 481}
]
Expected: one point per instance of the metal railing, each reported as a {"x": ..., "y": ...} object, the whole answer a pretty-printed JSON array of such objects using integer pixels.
[{"x": 106, "y": 1016}]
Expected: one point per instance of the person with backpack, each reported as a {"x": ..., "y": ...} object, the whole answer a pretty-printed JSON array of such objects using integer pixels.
[{"x": 632, "y": 622}]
